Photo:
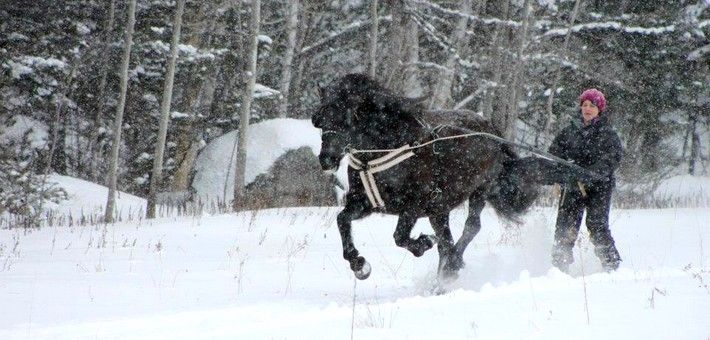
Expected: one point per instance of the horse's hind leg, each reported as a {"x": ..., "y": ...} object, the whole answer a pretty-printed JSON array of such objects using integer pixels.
[
  {"x": 354, "y": 209},
  {"x": 448, "y": 265},
  {"x": 476, "y": 202},
  {"x": 402, "y": 236}
]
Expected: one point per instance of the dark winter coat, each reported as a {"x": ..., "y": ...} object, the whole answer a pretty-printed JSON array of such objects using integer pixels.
[{"x": 595, "y": 147}]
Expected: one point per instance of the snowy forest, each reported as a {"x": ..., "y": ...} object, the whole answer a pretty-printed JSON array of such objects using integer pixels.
[
  {"x": 133, "y": 90},
  {"x": 162, "y": 169}
]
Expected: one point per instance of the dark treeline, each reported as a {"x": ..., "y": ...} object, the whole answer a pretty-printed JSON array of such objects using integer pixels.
[{"x": 521, "y": 63}]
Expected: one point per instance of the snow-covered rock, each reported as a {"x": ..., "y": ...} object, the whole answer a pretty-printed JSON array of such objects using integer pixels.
[{"x": 266, "y": 142}]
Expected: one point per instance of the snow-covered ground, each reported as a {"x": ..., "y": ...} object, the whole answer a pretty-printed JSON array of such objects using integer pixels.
[{"x": 278, "y": 274}]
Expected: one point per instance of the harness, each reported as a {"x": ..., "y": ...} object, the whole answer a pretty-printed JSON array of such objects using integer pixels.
[{"x": 368, "y": 169}]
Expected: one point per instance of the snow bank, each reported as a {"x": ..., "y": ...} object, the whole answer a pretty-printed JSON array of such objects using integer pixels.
[
  {"x": 684, "y": 189},
  {"x": 86, "y": 198}
]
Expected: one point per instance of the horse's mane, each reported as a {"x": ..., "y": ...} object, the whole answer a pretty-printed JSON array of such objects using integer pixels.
[
  {"x": 381, "y": 101},
  {"x": 378, "y": 99}
]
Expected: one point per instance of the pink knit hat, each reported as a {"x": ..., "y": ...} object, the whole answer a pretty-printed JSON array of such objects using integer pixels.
[{"x": 595, "y": 96}]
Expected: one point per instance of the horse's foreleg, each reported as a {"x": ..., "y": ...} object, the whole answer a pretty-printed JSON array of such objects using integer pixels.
[
  {"x": 402, "y": 236},
  {"x": 476, "y": 203},
  {"x": 448, "y": 264},
  {"x": 358, "y": 264}
]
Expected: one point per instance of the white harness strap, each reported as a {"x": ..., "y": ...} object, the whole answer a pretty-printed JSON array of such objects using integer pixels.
[{"x": 367, "y": 170}]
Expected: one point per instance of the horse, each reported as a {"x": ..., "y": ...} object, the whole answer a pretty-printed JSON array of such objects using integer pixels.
[{"x": 436, "y": 170}]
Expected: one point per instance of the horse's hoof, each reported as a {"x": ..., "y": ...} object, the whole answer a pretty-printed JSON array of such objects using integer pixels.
[
  {"x": 364, "y": 272},
  {"x": 447, "y": 277},
  {"x": 449, "y": 268},
  {"x": 438, "y": 289},
  {"x": 360, "y": 267},
  {"x": 444, "y": 282},
  {"x": 424, "y": 243}
]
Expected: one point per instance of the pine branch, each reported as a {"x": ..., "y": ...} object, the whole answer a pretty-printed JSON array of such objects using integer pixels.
[
  {"x": 349, "y": 32},
  {"x": 611, "y": 25},
  {"x": 474, "y": 18}
]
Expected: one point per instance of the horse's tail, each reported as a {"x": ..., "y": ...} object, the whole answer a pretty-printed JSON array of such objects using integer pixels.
[{"x": 512, "y": 191}]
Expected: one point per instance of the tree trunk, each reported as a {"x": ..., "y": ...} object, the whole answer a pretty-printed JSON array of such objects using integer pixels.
[
  {"x": 189, "y": 136},
  {"x": 308, "y": 22},
  {"x": 394, "y": 44},
  {"x": 292, "y": 29},
  {"x": 497, "y": 117},
  {"x": 514, "y": 97},
  {"x": 241, "y": 158},
  {"x": 94, "y": 150},
  {"x": 694, "y": 145},
  {"x": 549, "y": 117},
  {"x": 411, "y": 84},
  {"x": 118, "y": 122},
  {"x": 441, "y": 97},
  {"x": 157, "y": 174},
  {"x": 58, "y": 158},
  {"x": 197, "y": 94},
  {"x": 480, "y": 6},
  {"x": 372, "y": 56},
  {"x": 402, "y": 56}
]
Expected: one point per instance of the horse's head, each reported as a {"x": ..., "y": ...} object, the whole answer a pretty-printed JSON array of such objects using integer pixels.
[
  {"x": 342, "y": 107},
  {"x": 356, "y": 111}
]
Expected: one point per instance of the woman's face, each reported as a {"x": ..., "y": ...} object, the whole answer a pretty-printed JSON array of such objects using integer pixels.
[{"x": 589, "y": 111}]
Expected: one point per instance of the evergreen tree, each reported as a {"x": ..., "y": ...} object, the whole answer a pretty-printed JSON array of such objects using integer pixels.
[{"x": 23, "y": 193}]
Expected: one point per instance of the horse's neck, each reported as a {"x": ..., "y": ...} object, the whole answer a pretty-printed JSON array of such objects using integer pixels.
[
  {"x": 391, "y": 137},
  {"x": 405, "y": 131}
]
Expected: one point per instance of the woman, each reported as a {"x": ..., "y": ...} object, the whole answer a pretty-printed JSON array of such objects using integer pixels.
[{"x": 593, "y": 145}]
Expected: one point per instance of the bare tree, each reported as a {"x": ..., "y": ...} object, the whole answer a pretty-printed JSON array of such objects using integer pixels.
[
  {"x": 240, "y": 171},
  {"x": 372, "y": 57},
  {"x": 441, "y": 97},
  {"x": 287, "y": 63},
  {"x": 157, "y": 174},
  {"x": 493, "y": 88},
  {"x": 306, "y": 28},
  {"x": 695, "y": 154},
  {"x": 402, "y": 51},
  {"x": 558, "y": 75},
  {"x": 191, "y": 131},
  {"x": 514, "y": 87},
  {"x": 118, "y": 122},
  {"x": 198, "y": 91},
  {"x": 101, "y": 97}
]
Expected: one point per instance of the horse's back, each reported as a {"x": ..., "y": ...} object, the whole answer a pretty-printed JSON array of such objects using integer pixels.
[
  {"x": 461, "y": 118},
  {"x": 469, "y": 120}
]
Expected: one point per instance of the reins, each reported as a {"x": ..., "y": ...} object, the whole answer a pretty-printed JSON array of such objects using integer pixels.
[{"x": 531, "y": 149}]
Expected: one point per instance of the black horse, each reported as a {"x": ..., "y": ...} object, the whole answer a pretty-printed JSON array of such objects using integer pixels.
[{"x": 435, "y": 174}]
